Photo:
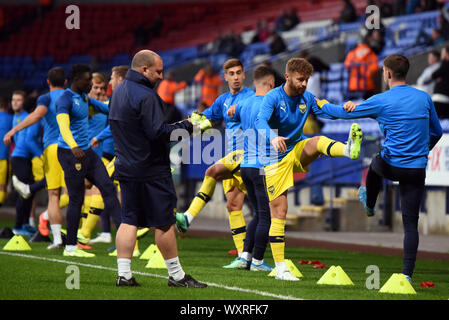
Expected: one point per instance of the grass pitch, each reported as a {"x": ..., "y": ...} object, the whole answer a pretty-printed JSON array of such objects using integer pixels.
[{"x": 41, "y": 274}]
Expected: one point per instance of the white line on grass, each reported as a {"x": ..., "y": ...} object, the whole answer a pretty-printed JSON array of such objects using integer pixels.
[{"x": 210, "y": 284}]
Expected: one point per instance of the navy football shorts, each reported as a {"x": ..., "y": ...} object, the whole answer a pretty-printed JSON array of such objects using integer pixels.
[{"x": 149, "y": 203}]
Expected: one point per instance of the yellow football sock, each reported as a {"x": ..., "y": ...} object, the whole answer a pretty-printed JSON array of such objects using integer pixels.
[
  {"x": 2, "y": 196},
  {"x": 96, "y": 208},
  {"x": 277, "y": 239},
  {"x": 64, "y": 200},
  {"x": 330, "y": 147},
  {"x": 238, "y": 228},
  {"x": 84, "y": 209},
  {"x": 203, "y": 196}
]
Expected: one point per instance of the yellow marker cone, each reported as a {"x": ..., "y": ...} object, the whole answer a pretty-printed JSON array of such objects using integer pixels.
[
  {"x": 136, "y": 253},
  {"x": 156, "y": 261},
  {"x": 335, "y": 276},
  {"x": 149, "y": 252},
  {"x": 17, "y": 243},
  {"x": 397, "y": 284},
  {"x": 291, "y": 266}
]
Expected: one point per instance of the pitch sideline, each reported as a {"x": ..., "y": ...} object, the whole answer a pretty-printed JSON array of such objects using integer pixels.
[{"x": 94, "y": 266}]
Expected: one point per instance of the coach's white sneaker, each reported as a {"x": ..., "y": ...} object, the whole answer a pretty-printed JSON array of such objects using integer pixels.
[
  {"x": 286, "y": 275},
  {"x": 103, "y": 237}
]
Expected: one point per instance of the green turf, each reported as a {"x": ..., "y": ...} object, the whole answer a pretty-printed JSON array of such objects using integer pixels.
[{"x": 25, "y": 278}]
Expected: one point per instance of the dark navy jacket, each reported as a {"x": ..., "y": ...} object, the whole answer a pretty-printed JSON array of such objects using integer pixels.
[{"x": 141, "y": 137}]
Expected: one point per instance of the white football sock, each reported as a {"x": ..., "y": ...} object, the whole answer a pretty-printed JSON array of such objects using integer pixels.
[
  {"x": 246, "y": 255},
  {"x": 70, "y": 248},
  {"x": 56, "y": 232},
  {"x": 124, "y": 268},
  {"x": 174, "y": 269},
  {"x": 189, "y": 217}
]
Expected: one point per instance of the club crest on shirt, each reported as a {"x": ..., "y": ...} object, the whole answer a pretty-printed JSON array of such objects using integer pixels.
[
  {"x": 78, "y": 166},
  {"x": 271, "y": 189},
  {"x": 302, "y": 108}
]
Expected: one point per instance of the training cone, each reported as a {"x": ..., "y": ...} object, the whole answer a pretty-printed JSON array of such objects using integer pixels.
[
  {"x": 149, "y": 252},
  {"x": 136, "y": 253},
  {"x": 335, "y": 276},
  {"x": 156, "y": 261},
  {"x": 17, "y": 243},
  {"x": 291, "y": 267},
  {"x": 397, "y": 284},
  {"x": 6, "y": 233}
]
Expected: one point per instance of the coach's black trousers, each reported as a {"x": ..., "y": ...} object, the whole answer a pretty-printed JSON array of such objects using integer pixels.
[
  {"x": 411, "y": 188},
  {"x": 75, "y": 171},
  {"x": 257, "y": 230}
]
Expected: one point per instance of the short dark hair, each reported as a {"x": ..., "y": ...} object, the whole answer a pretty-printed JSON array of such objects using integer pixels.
[
  {"x": 120, "y": 70},
  {"x": 398, "y": 64},
  {"x": 21, "y": 93},
  {"x": 56, "y": 76},
  {"x": 231, "y": 63},
  {"x": 435, "y": 53},
  {"x": 77, "y": 70},
  {"x": 262, "y": 71}
]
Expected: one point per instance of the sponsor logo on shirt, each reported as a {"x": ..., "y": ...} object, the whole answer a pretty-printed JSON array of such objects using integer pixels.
[{"x": 283, "y": 106}]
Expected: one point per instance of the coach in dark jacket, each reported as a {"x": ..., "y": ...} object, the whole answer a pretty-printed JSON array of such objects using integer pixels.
[{"x": 141, "y": 140}]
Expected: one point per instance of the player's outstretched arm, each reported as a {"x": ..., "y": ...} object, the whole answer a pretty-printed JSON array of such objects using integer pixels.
[
  {"x": 367, "y": 109},
  {"x": 32, "y": 118},
  {"x": 100, "y": 106}
]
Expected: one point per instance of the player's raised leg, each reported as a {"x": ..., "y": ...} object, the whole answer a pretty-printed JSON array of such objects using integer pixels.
[{"x": 214, "y": 173}]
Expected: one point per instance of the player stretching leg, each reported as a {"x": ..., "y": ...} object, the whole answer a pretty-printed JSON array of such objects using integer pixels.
[
  {"x": 408, "y": 140},
  {"x": 281, "y": 118}
]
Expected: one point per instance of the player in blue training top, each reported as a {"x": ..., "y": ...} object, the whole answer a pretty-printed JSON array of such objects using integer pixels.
[
  {"x": 227, "y": 168},
  {"x": 409, "y": 122},
  {"x": 5, "y": 125},
  {"x": 93, "y": 205},
  {"x": 257, "y": 231},
  {"x": 77, "y": 159},
  {"x": 46, "y": 110},
  {"x": 281, "y": 120},
  {"x": 27, "y": 146}
]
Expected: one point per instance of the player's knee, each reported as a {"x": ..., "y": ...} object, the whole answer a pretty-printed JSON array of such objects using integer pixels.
[{"x": 53, "y": 193}]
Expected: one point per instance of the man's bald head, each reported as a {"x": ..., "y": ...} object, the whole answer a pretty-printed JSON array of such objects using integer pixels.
[
  {"x": 144, "y": 58},
  {"x": 149, "y": 64}
]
